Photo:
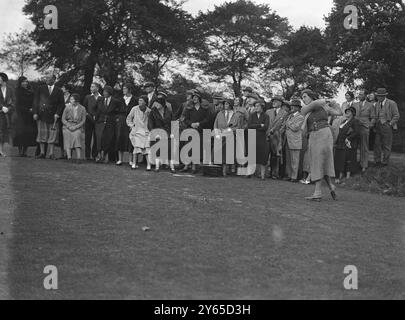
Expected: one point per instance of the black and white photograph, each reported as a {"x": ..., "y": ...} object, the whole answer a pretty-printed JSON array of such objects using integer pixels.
[{"x": 175, "y": 151}]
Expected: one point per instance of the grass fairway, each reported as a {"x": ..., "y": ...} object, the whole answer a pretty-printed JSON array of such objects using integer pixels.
[{"x": 209, "y": 238}]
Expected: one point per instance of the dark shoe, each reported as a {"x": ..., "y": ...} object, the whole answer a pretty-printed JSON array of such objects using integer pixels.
[
  {"x": 185, "y": 169},
  {"x": 314, "y": 198},
  {"x": 52, "y": 157},
  {"x": 40, "y": 156},
  {"x": 286, "y": 179},
  {"x": 173, "y": 171},
  {"x": 294, "y": 180}
]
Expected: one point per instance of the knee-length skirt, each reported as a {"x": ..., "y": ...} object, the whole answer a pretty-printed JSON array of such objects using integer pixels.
[
  {"x": 72, "y": 140},
  {"x": 321, "y": 154}
]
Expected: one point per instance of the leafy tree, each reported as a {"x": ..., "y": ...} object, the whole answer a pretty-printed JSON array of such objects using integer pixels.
[
  {"x": 167, "y": 35},
  {"x": 102, "y": 37},
  {"x": 375, "y": 52},
  {"x": 303, "y": 62},
  {"x": 239, "y": 37},
  {"x": 18, "y": 52}
]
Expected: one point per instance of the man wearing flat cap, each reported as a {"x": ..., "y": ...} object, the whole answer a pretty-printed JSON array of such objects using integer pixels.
[
  {"x": 385, "y": 118},
  {"x": 293, "y": 132},
  {"x": 277, "y": 116},
  {"x": 49, "y": 103},
  {"x": 7, "y": 104}
]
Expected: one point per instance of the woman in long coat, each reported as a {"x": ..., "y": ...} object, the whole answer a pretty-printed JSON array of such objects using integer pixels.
[
  {"x": 73, "y": 120},
  {"x": 259, "y": 121},
  {"x": 137, "y": 121},
  {"x": 160, "y": 118},
  {"x": 107, "y": 109},
  {"x": 7, "y": 102},
  {"x": 25, "y": 130},
  {"x": 122, "y": 143},
  {"x": 316, "y": 113},
  {"x": 225, "y": 124}
]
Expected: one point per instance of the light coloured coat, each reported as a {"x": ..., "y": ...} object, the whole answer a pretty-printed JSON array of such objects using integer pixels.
[
  {"x": 137, "y": 121},
  {"x": 293, "y": 130}
]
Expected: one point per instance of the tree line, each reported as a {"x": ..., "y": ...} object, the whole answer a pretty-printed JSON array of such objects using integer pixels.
[{"x": 235, "y": 43}]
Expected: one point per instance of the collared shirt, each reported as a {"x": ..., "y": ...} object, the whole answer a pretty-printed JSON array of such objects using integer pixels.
[
  {"x": 50, "y": 88},
  {"x": 75, "y": 111},
  {"x": 150, "y": 96},
  {"x": 127, "y": 99},
  {"x": 380, "y": 111},
  {"x": 4, "y": 91},
  {"x": 228, "y": 116},
  {"x": 107, "y": 101}
]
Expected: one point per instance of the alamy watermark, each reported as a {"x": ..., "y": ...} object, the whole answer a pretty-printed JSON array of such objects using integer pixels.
[
  {"x": 211, "y": 143},
  {"x": 352, "y": 20},
  {"x": 51, "y": 280}
]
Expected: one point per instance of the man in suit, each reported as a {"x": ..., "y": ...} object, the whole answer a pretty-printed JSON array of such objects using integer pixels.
[
  {"x": 277, "y": 117},
  {"x": 385, "y": 118},
  {"x": 7, "y": 104},
  {"x": 246, "y": 92},
  {"x": 90, "y": 103},
  {"x": 150, "y": 90},
  {"x": 363, "y": 111},
  {"x": 49, "y": 104},
  {"x": 293, "y": 131}
]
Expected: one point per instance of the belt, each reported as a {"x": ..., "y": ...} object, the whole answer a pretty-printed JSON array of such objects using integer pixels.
[{"x": 316, "y": 126}]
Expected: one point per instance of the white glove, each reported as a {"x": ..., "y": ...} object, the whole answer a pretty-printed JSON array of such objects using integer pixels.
[{"x": 4, "y": 109}]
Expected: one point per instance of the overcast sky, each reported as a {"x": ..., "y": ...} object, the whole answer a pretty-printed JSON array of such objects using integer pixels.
[{"x": 298, "y": 12}]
